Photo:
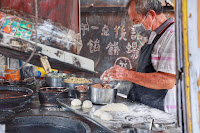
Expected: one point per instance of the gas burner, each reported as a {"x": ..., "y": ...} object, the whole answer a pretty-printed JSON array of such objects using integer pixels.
[{"x": 6, "y": 115}]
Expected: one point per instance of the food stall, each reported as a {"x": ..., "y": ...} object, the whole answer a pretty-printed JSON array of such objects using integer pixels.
[{"x": 76, "y": 100}]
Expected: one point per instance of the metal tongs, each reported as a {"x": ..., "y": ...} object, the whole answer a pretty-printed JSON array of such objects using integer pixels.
[{"x": 151, "y": 125}]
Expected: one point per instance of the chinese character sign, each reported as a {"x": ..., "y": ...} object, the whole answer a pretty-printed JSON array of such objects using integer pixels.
[
  {"x": 94, "y": 46},
  {"x": 133, "y": 33},
  {"x": 113, "y": 49},
  {"x": 132, "y": 49},
  {"x": 116, "y": 30},
  {"x": 123, "y": 62},
  {"x": 135, "y": 54},
  {"x": 105, "y": 31},
  {"x": 123, "y": 34},
  {"x": 84, "y": 28}
]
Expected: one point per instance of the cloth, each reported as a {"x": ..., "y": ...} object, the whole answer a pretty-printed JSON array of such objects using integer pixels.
[
  {"x": 148, "y": 96},
  {"x": 163, "y": 59}
]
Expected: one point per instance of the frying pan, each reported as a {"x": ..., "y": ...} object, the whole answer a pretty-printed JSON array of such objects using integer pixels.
[
  {"x": 21, "y": 83},
  {"x": 15, "y": 100}
]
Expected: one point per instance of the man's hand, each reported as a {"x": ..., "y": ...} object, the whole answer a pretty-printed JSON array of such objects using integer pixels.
[
  {"x": 156, "y": 80},
  {"x": 114, "y": 73}
]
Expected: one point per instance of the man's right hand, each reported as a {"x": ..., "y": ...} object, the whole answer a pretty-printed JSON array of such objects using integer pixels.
[{"x": 114, "y": 73}]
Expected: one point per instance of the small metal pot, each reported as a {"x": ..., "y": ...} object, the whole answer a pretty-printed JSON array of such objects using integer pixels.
[
  {"x": 55, "y": 79},
  {"x": 80, "y": 94},
  {"x": 71, "y": 86},
  {"x": 101, "y": 96},
  {"x": 48, "y": 95}
]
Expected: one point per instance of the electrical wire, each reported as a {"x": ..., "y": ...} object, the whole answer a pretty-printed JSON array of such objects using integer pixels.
[{"x": 33, "y": 52}]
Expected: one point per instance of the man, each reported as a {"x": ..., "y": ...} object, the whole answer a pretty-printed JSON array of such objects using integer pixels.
[{"x": 154, "y": 79}]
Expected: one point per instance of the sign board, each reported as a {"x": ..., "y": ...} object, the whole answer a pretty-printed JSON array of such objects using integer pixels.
[{"x": 109, "y": 39}]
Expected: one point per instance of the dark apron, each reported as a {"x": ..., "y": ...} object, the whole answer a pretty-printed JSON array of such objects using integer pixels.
[{"x": 141, "y": 94}]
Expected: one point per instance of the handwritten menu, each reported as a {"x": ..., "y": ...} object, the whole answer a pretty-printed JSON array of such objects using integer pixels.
[{"x": 110, "y": 39}]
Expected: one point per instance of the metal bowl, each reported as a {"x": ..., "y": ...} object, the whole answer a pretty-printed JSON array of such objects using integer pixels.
[
  {"x": 101, "y": 96},
  {"x": 48, "y": 95},
  {"x": 81, "y": 94},
  {"x": 55, "y": 79}
]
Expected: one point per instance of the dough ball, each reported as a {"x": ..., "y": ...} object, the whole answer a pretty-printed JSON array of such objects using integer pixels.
[
  {"x": 115, "y": 107},
  {"x": 106, "y": 116},
  {"x": 87, "y": 104},
  {"x": 98, "y": 113},
  {"x": 76, "y": 102}
]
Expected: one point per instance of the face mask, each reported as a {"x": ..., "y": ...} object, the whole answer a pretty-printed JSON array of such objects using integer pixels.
[{"x": 140, "y": 29}]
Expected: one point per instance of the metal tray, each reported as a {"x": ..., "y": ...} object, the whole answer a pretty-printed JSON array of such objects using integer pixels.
[{"x": 138, "y": 113}]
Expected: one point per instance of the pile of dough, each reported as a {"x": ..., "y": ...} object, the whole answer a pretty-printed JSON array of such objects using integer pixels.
[
  {"x": 115, "y": 107},
  {"x": 103, "y": 115},
  {"x": 106, "y": 116},
  {"x": 76, "y": 102},
  {"x": 98, "y": 113},
  {"x": 87, "y": 104}
]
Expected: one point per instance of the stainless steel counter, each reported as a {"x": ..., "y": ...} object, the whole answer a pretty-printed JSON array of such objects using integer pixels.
[{"x": 138, "y": 113}]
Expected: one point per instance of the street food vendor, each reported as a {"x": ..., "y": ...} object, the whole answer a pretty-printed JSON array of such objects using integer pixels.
[{"x": 155, "y": 77}]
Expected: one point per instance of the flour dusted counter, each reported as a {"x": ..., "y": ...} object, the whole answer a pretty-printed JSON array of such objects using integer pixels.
[{"x": 139, "y": 116}]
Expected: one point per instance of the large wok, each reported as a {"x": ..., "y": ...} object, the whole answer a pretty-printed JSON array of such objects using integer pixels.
[
  {"x": 14, "y": 96},
  {"x": 46, "y": 124}
]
